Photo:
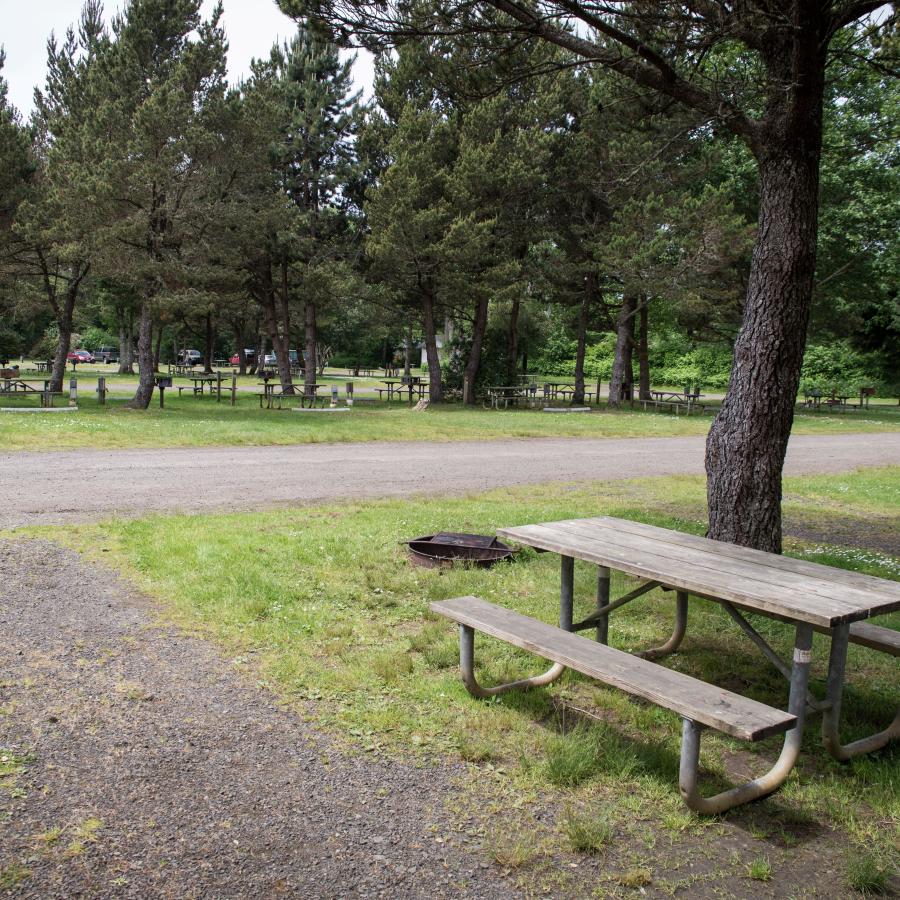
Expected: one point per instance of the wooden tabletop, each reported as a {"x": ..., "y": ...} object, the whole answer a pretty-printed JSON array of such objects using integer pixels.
[{"x": 795, "y": 589}]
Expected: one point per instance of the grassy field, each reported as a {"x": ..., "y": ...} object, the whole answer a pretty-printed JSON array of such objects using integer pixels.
[
  {"x": 190, "y": 422},
  {"x": 322, "y": 606}
]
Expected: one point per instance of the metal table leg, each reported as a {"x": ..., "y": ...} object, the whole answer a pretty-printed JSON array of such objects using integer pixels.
[
  {"x": 467, "y": 645},
  {"x": 603, "y": 581},
  {"x": 831, "y": 719},
  {"x": 674, "y": 642},
  {"x": 777, "y": 775}
]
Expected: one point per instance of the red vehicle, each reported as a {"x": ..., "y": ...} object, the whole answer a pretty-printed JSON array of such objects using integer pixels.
[
  {"x": 80, "y": 356},
  {"x": 249, "y": 355}
]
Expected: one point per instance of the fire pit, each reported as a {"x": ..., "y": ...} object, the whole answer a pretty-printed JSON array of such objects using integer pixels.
[{"x": 447, "y": 547}]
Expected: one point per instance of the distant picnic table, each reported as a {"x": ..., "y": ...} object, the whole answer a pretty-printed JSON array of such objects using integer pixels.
[
  {"x": 396, "y": 387},
  {"x": 16, "y": 387}
]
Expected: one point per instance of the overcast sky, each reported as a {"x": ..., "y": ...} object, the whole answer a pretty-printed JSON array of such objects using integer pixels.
[{"x": 252, "y": 26}]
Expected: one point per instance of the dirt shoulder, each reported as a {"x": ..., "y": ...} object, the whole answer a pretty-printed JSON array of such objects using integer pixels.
[{"x": 142, "y": 764}]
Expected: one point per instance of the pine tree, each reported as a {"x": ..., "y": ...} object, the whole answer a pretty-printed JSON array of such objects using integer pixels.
[{"x": 150, "y": 131}]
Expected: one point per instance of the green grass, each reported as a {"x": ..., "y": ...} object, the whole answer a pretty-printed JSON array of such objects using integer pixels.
[
  {"x": 332, "y": 611},
  {"x": 869, "y": 872},
  {"x": 195, "y": 422},
  {"x": 588, "y": 832}
]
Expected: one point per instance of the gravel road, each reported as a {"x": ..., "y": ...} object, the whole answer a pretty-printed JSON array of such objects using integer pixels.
[
  {"x": 171, "y": 774},
  {"x": 86, "y": 485}
]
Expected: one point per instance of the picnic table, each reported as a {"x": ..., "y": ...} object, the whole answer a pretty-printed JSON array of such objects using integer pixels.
[
  {"x": 396, "y": 387},
  {"x": 200, "y": 382},
  {"x": 803, "y": 594},
  {"x": 272, "y": 395},
  {"x": 15, "y": 387},
  {"x": 687, "y": 399},
  {"x": 502, "y": 396}
]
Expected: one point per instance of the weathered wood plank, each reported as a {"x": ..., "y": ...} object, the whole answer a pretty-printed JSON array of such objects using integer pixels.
[
  {"x": 870, "y": 583},
  {"x": 677, "y": 575},
  {"x": 876, "y": 636},
  {"x": 705, "y": 703},
  {"x": 700, "y": 566},
  {"x": 790, "y": 585}
]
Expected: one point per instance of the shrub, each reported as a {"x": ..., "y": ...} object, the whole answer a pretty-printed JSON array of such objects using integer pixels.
[{"x": 836, "y": 367}]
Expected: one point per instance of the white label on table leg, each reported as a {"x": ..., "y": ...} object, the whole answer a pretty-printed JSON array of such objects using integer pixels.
[{"x": 802, "y": 656}]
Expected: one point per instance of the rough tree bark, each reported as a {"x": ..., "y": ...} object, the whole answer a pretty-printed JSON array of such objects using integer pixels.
[
  {"x": 578, "y": 393},
  {"x": 146, "y": 382},
  {"x": 209, "y": 344},
  {"x": 275, "y": 308},
  {"x": 237, "y": 328},
  {"x": 512, "y": 341},
  {"x": 621, "y": 381},
  {"x": 63, "y": 313},
  {"x": 435, "y": 384},
  {"x": 157, "y": 347},
  {"x": 643, "y": 349},
  {"x": 309, "y": 350},
  {"x": 125, "y": 321},
  {"x": 473, "y": 363},
  {"x": 407, "y": 351},
  {"x": 748, "y": 440}
]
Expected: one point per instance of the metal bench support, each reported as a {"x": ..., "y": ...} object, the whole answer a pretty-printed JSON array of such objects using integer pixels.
[
  {"x": 467, "y": 645},
  {"x": 777, "y": 775},
  {"x": 840, "y": 636}
]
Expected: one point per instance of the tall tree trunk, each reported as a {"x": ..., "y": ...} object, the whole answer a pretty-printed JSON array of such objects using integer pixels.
[
  {"x": 643, "y": 350},
  {"x": 435, "y": 383},
  {"x": 64, "y": 340},
  {"x": 473, "y": 364},
  {"x": 621, "y": 382},
  {"x": 309, "y": 350},
  {"x": 238, "y": 329},
  {"x": 281, "y": 340},
  {"x": 407, "y": 351},
  {"x": 273, "y": 310},
  {"x": 512, "y": 341},
  {"x": 746, "y": 445},
  {"x": 209, "y": 344},
  {"x": 144, "y": 393},
  {"x": 587, "y": 296},
  {"x": 126, "y": 342},
  {"x": 157, "y": 347},
  {"x": 63, "y": 314}
]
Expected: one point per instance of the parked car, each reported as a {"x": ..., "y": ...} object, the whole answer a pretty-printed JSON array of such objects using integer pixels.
[
  {"x": 190, "y": 358},
  {"x": 106, "y": 355},
  {"x": 249, "y": 355},
  {"x": 80, "y": 356},
  {"x": 270, "y": 359}
]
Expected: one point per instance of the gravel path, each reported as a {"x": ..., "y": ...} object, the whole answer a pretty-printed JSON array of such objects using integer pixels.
[
  {"x": 197, "y": 783},
  {"x": 86, "y": 485}
]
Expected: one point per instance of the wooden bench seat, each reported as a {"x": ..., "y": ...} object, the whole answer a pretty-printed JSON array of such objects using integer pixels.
[
  {"x": 692, "y": 699},
  {"x": 877, "y": 637},
  {"x": 698, "y": 703}
]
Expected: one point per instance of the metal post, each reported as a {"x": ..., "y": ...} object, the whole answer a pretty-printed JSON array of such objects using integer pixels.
[
  {"x": 349, "y": 393},
  {"x": 831, "y": 720},
  {"x": 233, "y": 388},
  {"x": 566, "y": 592},
  {"x": 603, "y": 581},
  {"x": 73, "y": 392},
  {"x": 777, "y": 775},
  {"x": 162, "y": 397},
  {"x": 218, "y": 387}
]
